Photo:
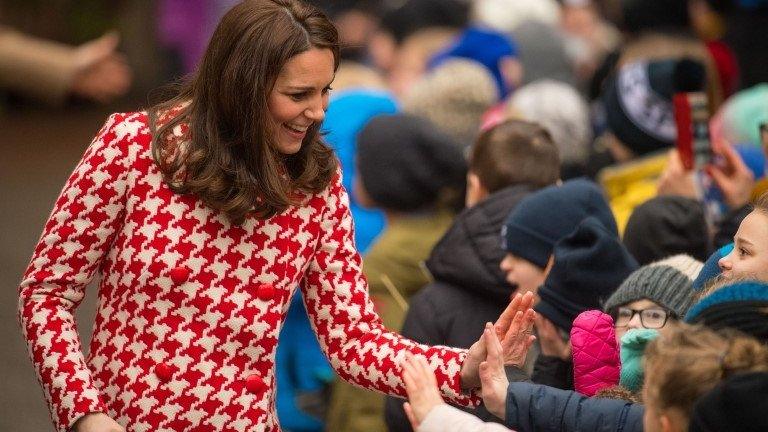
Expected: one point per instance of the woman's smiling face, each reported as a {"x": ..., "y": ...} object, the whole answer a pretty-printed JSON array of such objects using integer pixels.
[{"x": 300, "y": 97}]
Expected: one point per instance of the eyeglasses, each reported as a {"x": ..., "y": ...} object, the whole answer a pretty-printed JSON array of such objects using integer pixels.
[{"x": 649, "y": 318}]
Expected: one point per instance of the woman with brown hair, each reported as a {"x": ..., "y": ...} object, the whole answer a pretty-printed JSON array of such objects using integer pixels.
[{"x": 202, "y": 215}]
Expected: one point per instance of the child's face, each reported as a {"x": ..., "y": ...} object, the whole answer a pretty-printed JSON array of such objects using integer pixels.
[
  {"x": 655, "y": 317},
  {"x": 522, "y": 273},
  {"x": 749, "y": 257}
]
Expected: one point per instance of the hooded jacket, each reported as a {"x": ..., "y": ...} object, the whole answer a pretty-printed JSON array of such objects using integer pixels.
[{"x": 469, "y": 288}]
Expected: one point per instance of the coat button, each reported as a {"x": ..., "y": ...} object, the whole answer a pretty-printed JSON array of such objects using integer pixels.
[
  {"x": 255, "y": 384},
  {"x": 164, "y": 371},
  {"x": 265, "y": 292},
  {"x": 180, "y": 274}
]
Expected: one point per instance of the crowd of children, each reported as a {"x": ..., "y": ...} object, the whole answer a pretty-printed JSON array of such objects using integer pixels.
[{"x": 555, "y": 123}]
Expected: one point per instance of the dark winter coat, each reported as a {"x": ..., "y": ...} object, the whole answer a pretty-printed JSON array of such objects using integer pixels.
[
  {"x": 535, "y": 407},
  {"x": 469, "y": 289}
]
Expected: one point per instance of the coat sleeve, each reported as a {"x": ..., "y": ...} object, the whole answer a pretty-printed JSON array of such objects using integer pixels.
[
  {"x": 75, "y": 238},
  {"x": 445, "y": 418},
  {"x": 358, "y": 346},
  {"x": 535, "y": 407}
]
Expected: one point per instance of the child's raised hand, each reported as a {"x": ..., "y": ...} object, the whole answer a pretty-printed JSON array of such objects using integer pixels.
[
  {"x": 492, "y": 376},
  {"x": 421, "y": 387}
]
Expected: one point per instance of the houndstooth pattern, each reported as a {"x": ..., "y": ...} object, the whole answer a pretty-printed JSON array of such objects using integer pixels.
[{"x": 190, "y": 307}]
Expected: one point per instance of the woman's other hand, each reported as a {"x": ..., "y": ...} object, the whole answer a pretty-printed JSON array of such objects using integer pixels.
[{"x": 421, "y": 387}]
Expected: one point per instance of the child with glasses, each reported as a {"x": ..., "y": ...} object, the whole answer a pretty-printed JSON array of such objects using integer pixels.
[
  {"x": 653, "y": 295},
  {"x": 645, "y": 302}
]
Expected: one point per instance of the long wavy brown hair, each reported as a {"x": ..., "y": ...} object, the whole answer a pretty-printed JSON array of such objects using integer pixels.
[{"x": 227, "y": 154}]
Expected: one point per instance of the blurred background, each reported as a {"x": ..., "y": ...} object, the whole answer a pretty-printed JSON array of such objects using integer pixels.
[{"x": 65, "y": 65}]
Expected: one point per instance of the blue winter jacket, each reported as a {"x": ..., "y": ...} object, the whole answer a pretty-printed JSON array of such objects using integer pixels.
[{"x": 535, "y": 407}]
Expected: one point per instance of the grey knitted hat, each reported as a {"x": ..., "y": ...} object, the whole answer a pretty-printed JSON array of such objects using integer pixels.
[{"x": 666, "y": 282}]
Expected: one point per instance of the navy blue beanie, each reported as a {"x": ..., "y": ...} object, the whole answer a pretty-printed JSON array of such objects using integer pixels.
[
  {"x": 711, "y": 267},
  {"x": 543, "y": 218},
  {"x": 589, "y": 265},
  {"x": 741, "y": 306}
]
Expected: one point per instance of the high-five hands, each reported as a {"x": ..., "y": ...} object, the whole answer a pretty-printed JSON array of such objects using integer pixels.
[{"x": 514, "y": 329}]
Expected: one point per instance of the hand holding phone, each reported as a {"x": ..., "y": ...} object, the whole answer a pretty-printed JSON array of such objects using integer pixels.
[{"x": 732, "y": 176}]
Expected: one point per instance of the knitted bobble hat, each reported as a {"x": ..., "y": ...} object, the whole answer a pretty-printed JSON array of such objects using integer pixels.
[
  {"x": 633, "y": 345},
  {"x": 667, "y": 283},
  {"x": 454, "y": 96}
]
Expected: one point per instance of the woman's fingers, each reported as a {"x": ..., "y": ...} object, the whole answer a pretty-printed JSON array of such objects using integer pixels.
[
  {"x": 527, "y": 301},
  {"x": 505, "y": 319}
]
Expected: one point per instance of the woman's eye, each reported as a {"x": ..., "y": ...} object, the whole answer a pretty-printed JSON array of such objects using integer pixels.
[
  {"x": 298, "y": 96},
  {"x": 327, "y": 90}
]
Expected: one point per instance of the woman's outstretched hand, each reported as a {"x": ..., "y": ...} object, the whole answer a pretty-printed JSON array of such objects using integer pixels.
[
  {"x": 513, "y": 329},
  {"x": 421, "y": 387},
  {"x": 492, "y": 376}
]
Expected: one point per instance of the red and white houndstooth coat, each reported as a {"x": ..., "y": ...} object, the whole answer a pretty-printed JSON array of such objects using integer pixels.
[{"x": 190, "y": 306}]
